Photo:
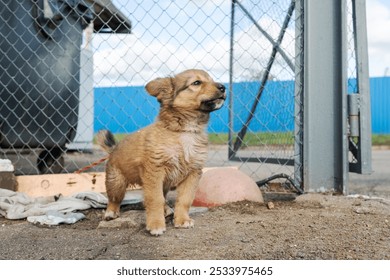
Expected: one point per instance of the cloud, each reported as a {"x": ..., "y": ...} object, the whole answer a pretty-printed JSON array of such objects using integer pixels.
[
  {"x": 135, "y": 65},
  {"x": 252, "y": 51},
  {"x": 378, "y": 26},
  {"x": 134, "y": 62},
  {"x": 130, "y": 62},
  {"x": 167, "y": 37},
  {"x": 200, "y": 38}
]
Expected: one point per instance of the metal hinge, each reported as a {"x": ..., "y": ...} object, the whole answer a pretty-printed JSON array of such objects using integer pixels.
[{"x": 353, "y": 114}]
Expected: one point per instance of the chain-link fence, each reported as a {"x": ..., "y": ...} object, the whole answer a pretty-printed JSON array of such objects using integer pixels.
[{"x": 70, "y": 68}]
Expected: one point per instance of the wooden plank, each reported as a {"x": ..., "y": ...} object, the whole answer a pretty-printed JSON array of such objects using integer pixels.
[{"x": 65, "y": 184}]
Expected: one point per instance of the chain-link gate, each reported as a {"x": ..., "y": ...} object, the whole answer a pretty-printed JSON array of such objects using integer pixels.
[
  {"x": 264, "y": 131},
  {"x": 359, "y": 108},
  {"x": 70, "y": 68}
]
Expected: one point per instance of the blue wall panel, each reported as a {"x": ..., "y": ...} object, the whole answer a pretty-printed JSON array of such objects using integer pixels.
[
  {"x": 126, "y": 109},
  {"x": 380, "y": 105},
  {"x": 123, "y": 109}
]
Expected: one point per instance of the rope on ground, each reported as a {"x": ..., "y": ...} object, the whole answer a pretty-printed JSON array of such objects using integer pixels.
[{"x": 93, "y": 164}]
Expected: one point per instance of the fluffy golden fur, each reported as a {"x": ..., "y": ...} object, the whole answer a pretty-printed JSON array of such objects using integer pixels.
[{"x": 170, "y": 153}]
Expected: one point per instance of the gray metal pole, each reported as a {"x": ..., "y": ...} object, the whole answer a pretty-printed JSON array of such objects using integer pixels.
[
  {"x": 325, "y": 152},
  {"x": 231, "y": 152},
  {"x": 298, "y": 99}
]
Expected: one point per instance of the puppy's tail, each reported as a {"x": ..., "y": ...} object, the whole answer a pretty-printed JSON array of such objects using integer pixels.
[{"x": 106, "y": 140}]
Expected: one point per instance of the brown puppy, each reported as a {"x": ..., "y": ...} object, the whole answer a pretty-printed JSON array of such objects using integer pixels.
[{"x": 168, "y": 153}]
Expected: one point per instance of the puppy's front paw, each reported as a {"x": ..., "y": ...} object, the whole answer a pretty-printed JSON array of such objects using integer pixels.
[
  {"x": 157, "y": 232},
  {"x": 110, "y": 215},
  {"x": 156, "y": 228},
  {"x": 184, "y": 223}
]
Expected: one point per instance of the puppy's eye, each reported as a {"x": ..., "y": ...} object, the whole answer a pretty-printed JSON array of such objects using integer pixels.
[{"x": 197, "y": 83}]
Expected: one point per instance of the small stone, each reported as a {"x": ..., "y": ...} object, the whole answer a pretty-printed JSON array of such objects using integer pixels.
[
  {"x": 357, "y": 203},
  {"x": 198, "y": 210},
  {"x": 118, "y": 223},
  {"x": 129, "y": 219},
  {"x": 270, "y": 205},
  {"x": 361, "y": 210}
]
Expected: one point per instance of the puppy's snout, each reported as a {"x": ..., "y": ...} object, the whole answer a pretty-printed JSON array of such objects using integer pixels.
[{"x": 221, "y": 87}]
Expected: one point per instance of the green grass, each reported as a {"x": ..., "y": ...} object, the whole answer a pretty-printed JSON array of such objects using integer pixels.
[
  {"x": 255, "y": 139},
  {"x": 381, "y": 139},
  {"x": 120, "y": 136},
  {"x": 277, "y": 138}
]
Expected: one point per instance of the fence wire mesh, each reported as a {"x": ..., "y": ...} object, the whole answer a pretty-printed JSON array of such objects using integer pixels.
[
  {"x": 352, "y": 85},
  {"x": 70, "y": 68}
]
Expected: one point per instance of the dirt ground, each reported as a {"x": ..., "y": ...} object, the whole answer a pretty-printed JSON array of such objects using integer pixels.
[{"x": 313, "y": 226}]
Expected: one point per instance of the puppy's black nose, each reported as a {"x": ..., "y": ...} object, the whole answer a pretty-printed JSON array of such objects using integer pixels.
[{"x": 221, "y": 87}]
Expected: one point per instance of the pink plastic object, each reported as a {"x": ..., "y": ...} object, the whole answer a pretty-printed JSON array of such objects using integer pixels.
[{"x": 222, "y": 185}]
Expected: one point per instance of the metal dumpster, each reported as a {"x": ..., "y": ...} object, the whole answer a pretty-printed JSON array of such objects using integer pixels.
[{"x": 39, "y": 72}]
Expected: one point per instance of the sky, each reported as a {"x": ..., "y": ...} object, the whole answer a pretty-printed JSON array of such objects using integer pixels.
[
  {"x": 171, "y": 36},
  {"x": 378, "y": 34}
]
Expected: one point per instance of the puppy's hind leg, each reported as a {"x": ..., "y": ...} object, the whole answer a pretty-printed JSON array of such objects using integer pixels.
[
  {"x": 168, "y": 211},
  {"x": 116, "y": 189}
]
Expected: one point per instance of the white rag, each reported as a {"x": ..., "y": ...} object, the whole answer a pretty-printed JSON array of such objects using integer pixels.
[
  {"x": 51, "y": 209},
  {"x": 55, "y": 218}
]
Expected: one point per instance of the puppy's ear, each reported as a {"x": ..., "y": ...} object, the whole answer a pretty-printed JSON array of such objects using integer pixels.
[{"x": 161, "y": 88}]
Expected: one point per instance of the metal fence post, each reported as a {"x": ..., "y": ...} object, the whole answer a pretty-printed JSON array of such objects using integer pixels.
[
  {"x": 298, "y": 99},
  {"x": 231, "y": 151},
  {"x": 363, "y": 153},
  {"x": 325, "y": 152}
]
